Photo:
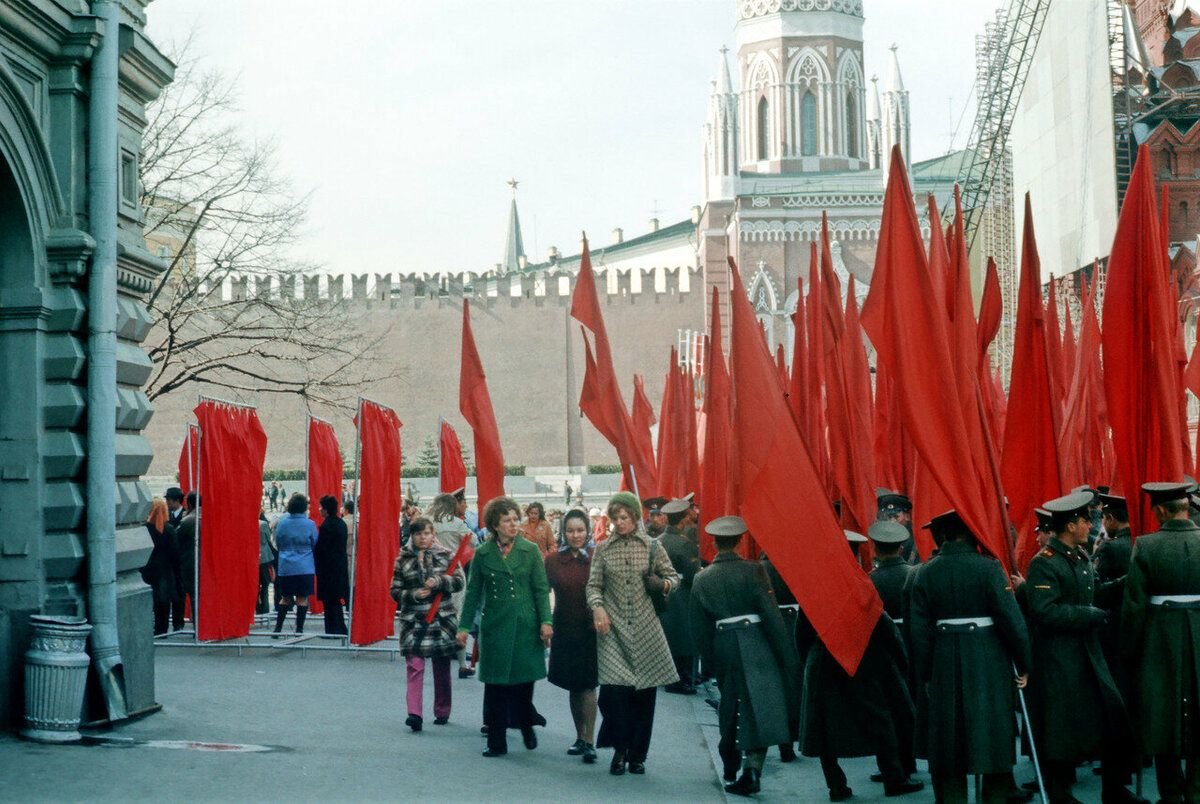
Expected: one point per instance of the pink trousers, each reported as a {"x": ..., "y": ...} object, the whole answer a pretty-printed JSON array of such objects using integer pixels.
[{"x": 441, "y": 685}]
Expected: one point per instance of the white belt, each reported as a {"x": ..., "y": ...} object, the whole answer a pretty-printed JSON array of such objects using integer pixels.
[
  {"x": 978, "y": 622},
  {"x": 898, "y": 620},
  {"x": 1166, "y": 600},
  {"x": 789, "y": 607},
  {"x": 742, "y": 619}
]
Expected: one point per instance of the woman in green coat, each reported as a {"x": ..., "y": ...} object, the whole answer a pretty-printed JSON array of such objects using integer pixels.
[{"x": 508, "y": 580}]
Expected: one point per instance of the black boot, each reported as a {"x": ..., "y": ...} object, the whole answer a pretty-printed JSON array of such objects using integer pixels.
[
  {"x": 747, "y": 785},
  {"x": 301, "y": 613},
  {"x": 281, "y": 612}
]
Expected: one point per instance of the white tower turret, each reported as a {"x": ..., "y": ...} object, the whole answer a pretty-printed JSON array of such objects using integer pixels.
[
  {"x": 895, "y": 117},
  {"x": 874, "y": 124},
  {"x": 720, "y": 137}
]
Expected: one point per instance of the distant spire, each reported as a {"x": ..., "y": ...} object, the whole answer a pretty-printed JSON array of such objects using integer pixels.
[
  {"x": 724, "y": 82},
  {"x": 514, "y": 246},
  {"x": 873, "y": 100},
  {"x": 895, "y": 82}
]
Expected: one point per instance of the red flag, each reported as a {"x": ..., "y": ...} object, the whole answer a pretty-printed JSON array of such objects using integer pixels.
[
  {"x": 799, "y": 388},
  {"x": 188, "y": 456},
  {"x": 815, "y": 431},
  {"x": 918, "y": 358},
  {"x": 715, "y": 482},
  {"x": 475, "y": 404},
  {"x": 777, "y": 478},
  {"x": 464, "y": 553},
  {"x": 376, "y": 531},
  {"x": 452, "y": 470},
  {"x": 1140, "y": 372},
  {"x": 605, "y": 395},
  {"x": 643, "y": 411},
  {"x": 1054, "y": 354},
  {"x": 781, "y": 366},
  {"x": 691, "y": 483},
  {"x": 323, "y": 474},
  {"x": 1074, "y": 448},
  {"x": 232, "y": 448},
  {"x": 1068, "y": 349},
  {"x": 1030, "y": 463},
  {"x": 991, "y": 309},
  {"x": 672, "y": 434}
]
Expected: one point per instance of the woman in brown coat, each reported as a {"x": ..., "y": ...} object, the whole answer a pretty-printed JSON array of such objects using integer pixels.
[{"x": 632, "y": 651}]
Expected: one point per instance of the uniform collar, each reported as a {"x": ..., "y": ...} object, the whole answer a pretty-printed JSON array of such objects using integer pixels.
[
  {"x": 1120, "y": 533},
  {"x": 890, "y": 561},
  {"x": 727, "y": 556},
  {"x": 1179, "y": 524},
  {"x": 951, "y": 547},
  {"x": 1059, "y": 547}
]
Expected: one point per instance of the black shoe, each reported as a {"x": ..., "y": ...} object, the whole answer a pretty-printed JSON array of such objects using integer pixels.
[
  {"x": 902, "y": 788},
  {"x": 589, "y": 754},
  {"x": 747, "y": 785},
  {"x": 441, "y": 721},
  {"x": 787, "y": 753},
  {"x": 729, "y": 771},
  {"x": 617, "y": 766},
  {"x": 538, "y": 720},
  {"x": 576, "y": 748},
  {"x": 877, "y": 778},
  {"x": 529, "y": 737},
  {"x": 714, "y": 703},
  {"x": 680, "y": 688},
  {"x": 840, "y": 793},
  {"x": 494, "y": 752},
  {"x": 466, "y": 672},
  {"x": 413, "y": 722},
  {"x": 637, "y": 767}
]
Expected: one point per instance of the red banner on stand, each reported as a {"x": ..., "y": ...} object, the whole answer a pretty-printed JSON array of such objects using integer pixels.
[
  {"x": 187, "y": 459},
  {"x": 232, "y": 448},
  {"x": 324, "y": 474},
  {"x": 452, "y": 470},
  {"x": 377, "y": 532}
]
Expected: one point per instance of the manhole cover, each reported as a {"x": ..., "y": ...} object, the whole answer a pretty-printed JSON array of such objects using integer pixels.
[{"x": 189, "y": 745}]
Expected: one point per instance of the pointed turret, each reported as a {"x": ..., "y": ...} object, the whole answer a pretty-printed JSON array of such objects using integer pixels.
[
  {"x": 720, "y": 136},
  {"x": 895, "y": 118},
  {"x": 514, "y": 246},
  {"x": 874, "y": 125}
]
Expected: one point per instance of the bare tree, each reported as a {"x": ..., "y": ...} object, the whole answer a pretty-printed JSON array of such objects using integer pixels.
[{"x": 225, "y": 311}]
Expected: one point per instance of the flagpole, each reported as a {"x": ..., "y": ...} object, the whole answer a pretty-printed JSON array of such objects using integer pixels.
[
  {"x": 1037, "y": 768},
  {"x": 357, "y": 517}
]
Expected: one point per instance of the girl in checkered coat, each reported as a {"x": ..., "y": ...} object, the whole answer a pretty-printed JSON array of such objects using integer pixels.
[{"x": 422, "y": 571}]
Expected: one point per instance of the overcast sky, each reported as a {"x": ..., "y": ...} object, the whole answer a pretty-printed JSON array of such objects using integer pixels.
[{"x": 406, "y": 118}]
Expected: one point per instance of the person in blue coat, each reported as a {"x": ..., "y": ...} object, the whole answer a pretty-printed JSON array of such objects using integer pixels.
[{"x": 295, "y": 538}]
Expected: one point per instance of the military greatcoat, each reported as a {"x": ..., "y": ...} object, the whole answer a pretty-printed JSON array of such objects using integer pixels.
[
  {"x": 1077, "y": 707},
  {"x": 1162, "y": 642},
  {"x": 634, "y": 652},
  {"x": 889, "y": 577},
  {"x": 968, "y": 673},
  {"x": 515, "y": 597},
  {"x": 685, "y": 558},
  {"x": 753, "y": 663}
]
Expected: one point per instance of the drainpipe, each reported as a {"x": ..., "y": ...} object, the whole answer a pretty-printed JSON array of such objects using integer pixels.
[{"x": 103, "y": 161}]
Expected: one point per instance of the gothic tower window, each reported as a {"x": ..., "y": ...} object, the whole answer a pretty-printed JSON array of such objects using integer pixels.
[
  {"x": 764, "y": 129},
  {"x": 808, "y": 123},
  {"x": 851, "y": 126}
]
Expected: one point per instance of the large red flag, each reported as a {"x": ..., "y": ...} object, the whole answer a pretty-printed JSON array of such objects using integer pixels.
[
  {"x": 452, "y": 470},
  {"x": 1074, "y": 450},
  {"x": 672, "y": 467},
  {"x": 1054, "y": 351},
  {"x": 798, "y": 384},
  {"x": 815, "y": 431},
  {"x": 188, "y": 455},
  {"x": 323, "y": 474},
  {"x": 232, "y": 448},
  {"x": 1139, "y": 342},
  {"x": 1029, "y": 463},
  {"x": 991, "y": 310},
  {"x": 637, "y": 464},
  {"x": 777, "y": 478},
  {"x": 475, "y": 404},
  {"x": 918, "y": 358},
  {"x": 643, "y": 411},
  {"x": 715, "y": 482},
  {"x": 377, "y": 524}
]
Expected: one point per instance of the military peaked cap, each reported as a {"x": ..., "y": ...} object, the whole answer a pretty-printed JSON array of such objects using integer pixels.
[
  {"x": 1114, "y": 503},
  {"x": 854, "y": 537},
  {"x": 1065, "y": 508},
  {"x": 1045, "y": 520},
  {"x": 726, "y": 527},
  {"x": 888, "y": 533},
  {"x": 1165, "y": 492},
  {"x": 654, "y": 504},
  {"x": 894, "y": 501},
  {"x": 677, "y": 506}
]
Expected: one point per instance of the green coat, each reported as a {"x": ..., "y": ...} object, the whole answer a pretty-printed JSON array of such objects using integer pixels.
[
  {"x": 1078, "y": 711},
  {"x": 1162, "y": 644},
  {"x": 685, "y": 558},
  {"x": 515, "y": 597}
]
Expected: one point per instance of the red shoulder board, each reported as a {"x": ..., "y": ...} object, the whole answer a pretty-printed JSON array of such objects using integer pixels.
[{"x": 1047, "y": 552}]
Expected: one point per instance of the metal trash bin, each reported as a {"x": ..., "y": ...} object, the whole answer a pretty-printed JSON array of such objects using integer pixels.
[{"x": 56, "y": 670}]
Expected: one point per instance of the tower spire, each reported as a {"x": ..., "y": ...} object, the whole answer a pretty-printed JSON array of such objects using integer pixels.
[
  {"x": 895, "y": 118},
  {"x": 720, "y": 140},
  {"x": 514, "y": 246}
]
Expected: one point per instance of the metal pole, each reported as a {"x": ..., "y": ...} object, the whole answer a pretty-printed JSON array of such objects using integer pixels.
[
  {"x": 1037, "y": 768},
  {"x": 357, "y": 516},
  {"x": 439, "y": 443},
  {"x": 196, "y": 565}
]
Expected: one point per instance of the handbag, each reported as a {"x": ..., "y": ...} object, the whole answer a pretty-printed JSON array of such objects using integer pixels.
[{"x": 659, "y": 599}]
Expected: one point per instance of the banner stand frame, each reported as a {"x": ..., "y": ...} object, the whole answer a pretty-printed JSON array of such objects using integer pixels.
[{"x": 357, "y": 517}]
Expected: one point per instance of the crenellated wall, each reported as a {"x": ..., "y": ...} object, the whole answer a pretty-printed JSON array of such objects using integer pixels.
[{"x": 531, "y": 350}]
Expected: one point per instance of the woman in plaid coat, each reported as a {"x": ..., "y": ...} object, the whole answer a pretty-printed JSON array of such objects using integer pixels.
[
  {"x": 422, "y": 571},
  {"x": 632, "y": 652}
]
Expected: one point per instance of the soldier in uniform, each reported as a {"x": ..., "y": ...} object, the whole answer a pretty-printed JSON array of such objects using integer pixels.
[
  {"x": 896, "y": 507},
  {"x": 889, "y": 577},
  {"x": 740, "y": 634},
  {"x": 656, "y": 520},
  {"x": 1160, "y": 634},
  {"x": 684, "y": 553},
  {"x": 967, "y": 634},
  {"x": 859, "y": 715},
  {"x": 1080, "y": 712}
]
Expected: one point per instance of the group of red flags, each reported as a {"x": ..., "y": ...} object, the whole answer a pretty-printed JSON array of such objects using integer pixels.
[{"x": 779, "y": 445}]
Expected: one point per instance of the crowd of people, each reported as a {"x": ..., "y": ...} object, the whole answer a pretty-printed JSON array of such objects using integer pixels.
[{"x": 1091, "y": 656}]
